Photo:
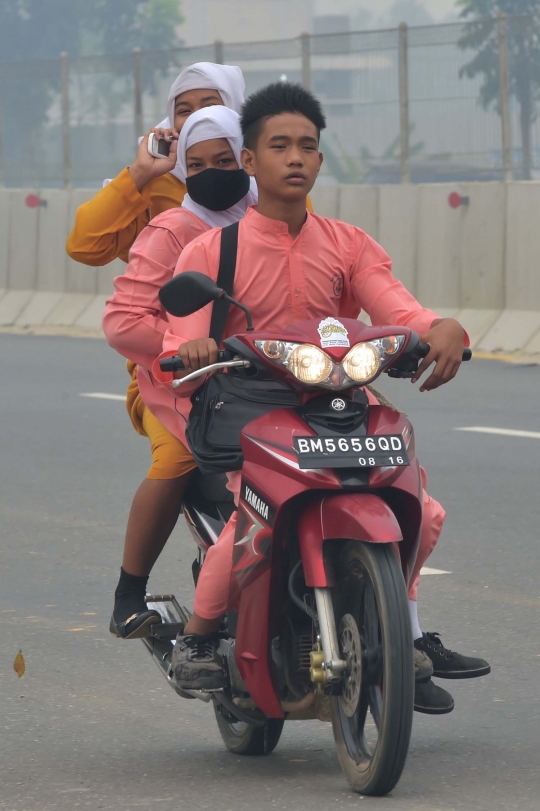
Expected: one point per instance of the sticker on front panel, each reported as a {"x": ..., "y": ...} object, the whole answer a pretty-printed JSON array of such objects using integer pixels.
[{"x": 333, "y": 333}]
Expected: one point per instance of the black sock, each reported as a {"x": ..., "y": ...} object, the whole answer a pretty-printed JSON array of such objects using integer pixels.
[{"x": 129, "y": 596}]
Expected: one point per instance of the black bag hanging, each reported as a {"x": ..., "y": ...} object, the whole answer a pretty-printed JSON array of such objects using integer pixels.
[{"x": 226, "y": 402}]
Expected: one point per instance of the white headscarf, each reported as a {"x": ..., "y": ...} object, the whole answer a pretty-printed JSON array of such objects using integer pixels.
[
  {"x": 228, "y": 80},
  {"x": 205, "y": 125}
]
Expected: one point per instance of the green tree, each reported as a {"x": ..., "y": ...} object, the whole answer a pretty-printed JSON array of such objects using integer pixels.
[
  {"x": 31, "y": 29},
  {"x": 523, "y": 53},
  {"x": 34, "y": 32}
]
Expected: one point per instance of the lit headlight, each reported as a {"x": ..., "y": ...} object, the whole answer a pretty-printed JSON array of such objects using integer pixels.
[
  {"x": 362, "y": 362},
  {"x": 310, "y": 364}
]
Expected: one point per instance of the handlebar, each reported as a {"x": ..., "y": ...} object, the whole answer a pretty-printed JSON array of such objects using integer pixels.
[
  {"x": 422, "y": 350},
  {"x": 403, "y": 367},
  {"x": 176, "y": 364}
]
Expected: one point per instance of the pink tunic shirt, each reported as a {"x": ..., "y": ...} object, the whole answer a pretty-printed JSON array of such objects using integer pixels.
[
  {"x": 134, "y": 321},
  {"x": 330, "y": 269}
]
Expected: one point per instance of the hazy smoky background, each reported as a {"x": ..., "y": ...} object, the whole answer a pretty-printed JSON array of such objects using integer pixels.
[{"x": 75, "y": 119}]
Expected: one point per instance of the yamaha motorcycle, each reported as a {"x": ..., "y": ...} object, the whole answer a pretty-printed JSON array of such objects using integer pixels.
[{"x": 328, "y": 527}]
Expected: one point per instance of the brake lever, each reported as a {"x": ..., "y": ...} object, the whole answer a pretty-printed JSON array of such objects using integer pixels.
[
  {"x": 228, "y": 364},
  {"x": 404, "y": 372},
  {"x": 407, "y": 366}
]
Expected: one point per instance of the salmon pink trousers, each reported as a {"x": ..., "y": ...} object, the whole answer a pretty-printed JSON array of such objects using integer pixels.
[{"x": 213, "y": 589}]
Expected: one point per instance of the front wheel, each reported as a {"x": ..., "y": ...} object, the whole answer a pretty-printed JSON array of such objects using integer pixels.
[
  {"x": 372, "y": 717},
  {"x": 245, "y": 739}
]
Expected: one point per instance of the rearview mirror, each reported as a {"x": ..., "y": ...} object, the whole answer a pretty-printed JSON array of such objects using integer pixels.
[{"x": 188, "y": 292}]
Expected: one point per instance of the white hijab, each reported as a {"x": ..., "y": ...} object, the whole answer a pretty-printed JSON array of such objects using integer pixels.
[
  {"x": 205, "y": 125},
  {"x": 228, "y": 80}
]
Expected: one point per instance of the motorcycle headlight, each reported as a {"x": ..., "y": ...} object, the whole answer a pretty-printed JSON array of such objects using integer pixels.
[
  {"x": 362, "y": 362},
  {"x": 310, "y": 364}
]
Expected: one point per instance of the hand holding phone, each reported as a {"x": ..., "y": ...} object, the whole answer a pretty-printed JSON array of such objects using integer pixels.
[
  {"x": 156, "y": 156},
  {"x": 158, "y": 147}
]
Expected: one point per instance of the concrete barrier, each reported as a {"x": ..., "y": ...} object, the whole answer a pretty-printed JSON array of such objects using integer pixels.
[
  {"x": 523, "y": 247},
  {"x": 479, "y": 262},
  {"x": 4, "y": 240},
  {"x": 398, "y": 230},
  {"x": 483, "y": 241}
]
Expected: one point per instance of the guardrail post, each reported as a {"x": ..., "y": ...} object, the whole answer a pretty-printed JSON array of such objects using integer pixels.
[
  {"x": 66, "y": 131},
  {"x": 218, "y": 52},
  {"x": 305, "y": 44},
  {"x": 139, "y": 123},
  {"x": 404, "y": 128},
  {"x": 504, "y": 98}
]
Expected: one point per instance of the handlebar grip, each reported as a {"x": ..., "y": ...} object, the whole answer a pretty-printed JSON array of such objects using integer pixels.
[
  {"x": 176, "y": 364},
  {"x": 423, "y": 349},
  {"x": 172, "y": 364}
]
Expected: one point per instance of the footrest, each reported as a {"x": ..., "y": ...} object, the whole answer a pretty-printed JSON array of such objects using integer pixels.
[
  {"x": 167, "y": 630},
  {"x": 171, "y": 612}
]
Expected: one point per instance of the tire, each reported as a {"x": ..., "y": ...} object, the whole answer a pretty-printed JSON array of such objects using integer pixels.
[
  {"x": 245, "y": 739},
  {"x": 371, "y": 607}
]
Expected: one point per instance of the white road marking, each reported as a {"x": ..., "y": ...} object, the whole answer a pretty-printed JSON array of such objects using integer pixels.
[
  {"x": 427, "y": 570},
  {"x": 102, "y": 395},
  {"x": 479, "y": 429}
]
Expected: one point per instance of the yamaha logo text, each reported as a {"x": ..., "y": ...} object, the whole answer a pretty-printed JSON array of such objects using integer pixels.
[{"x": 258, "y": 504}]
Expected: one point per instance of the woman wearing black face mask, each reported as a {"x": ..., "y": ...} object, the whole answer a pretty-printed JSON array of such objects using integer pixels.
[
  {"x": 210, "y": 142},
  {"x": 219, "y": 193},
  {"x": 215, "y": 191}
]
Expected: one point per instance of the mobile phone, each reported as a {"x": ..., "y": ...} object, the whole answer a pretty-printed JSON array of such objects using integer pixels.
[{"x": 158, "y": 148}]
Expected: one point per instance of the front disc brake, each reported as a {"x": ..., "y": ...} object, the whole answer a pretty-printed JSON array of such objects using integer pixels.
[{"x": 351, "y": 650}]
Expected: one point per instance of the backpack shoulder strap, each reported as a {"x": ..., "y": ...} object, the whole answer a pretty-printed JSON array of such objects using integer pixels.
[{"x": 225, "y": 280}]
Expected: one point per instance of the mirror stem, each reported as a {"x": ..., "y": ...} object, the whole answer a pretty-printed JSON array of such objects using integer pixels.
[{"x": 242, "y": 307}]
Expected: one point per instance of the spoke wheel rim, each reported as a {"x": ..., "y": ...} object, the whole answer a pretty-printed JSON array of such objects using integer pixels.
[
  {"x": 351, "y": 650},
  {"x": 370, "y": 700}
]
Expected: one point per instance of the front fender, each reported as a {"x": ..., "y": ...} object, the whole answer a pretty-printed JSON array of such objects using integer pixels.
[{"x": 351, "y": 516}]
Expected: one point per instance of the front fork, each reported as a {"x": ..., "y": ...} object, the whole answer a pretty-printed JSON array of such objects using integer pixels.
[{"x": 326, "y": 664}]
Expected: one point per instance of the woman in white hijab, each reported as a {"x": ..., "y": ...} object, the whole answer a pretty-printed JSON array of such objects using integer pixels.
[
  {"x": 108, "y": 224},
  {"x": 219, "y": 193},
  {"x": 215, "y": 199}
]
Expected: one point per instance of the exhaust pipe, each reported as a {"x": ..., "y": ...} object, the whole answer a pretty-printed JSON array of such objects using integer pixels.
[{"x": 287, "y": 706}]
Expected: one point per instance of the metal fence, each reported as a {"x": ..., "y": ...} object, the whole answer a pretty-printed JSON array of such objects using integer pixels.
[{"x": 402, "y": 104}]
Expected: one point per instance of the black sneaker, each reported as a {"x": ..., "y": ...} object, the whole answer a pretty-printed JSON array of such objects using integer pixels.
[
  {"x": 428, "y": 697},
  {"x": 137, "y": 626},
  {"x": 448, "y": 664},
  {"x": 197, "y": 664},
  {"x": 431, "y": 699}
]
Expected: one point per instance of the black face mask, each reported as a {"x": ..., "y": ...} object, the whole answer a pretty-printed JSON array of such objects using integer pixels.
[{"x": 218, "y": 189}]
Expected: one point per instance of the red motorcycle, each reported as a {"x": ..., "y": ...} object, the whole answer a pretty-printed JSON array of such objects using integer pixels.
[{"x": 328, "y": 528}]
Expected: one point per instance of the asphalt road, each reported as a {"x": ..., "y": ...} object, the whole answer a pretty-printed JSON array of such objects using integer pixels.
[{"x": 93, "y": 725}]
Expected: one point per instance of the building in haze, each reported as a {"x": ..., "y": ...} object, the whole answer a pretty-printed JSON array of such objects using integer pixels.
[{"x": 244, "y": 20}]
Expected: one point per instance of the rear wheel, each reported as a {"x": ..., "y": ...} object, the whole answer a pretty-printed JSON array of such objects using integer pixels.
[
  {"x": 245, "y": 739},
  {"x": 372, "y": 718}
]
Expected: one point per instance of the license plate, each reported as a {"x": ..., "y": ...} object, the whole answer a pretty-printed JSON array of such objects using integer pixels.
[{"x": 357, "y": 451}]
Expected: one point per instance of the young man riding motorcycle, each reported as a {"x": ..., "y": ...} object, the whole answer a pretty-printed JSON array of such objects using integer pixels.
[{"x": 292, "y": 266}]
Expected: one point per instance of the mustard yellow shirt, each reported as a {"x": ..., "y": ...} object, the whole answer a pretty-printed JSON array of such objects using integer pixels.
[{"x": 107, "y": 225}]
